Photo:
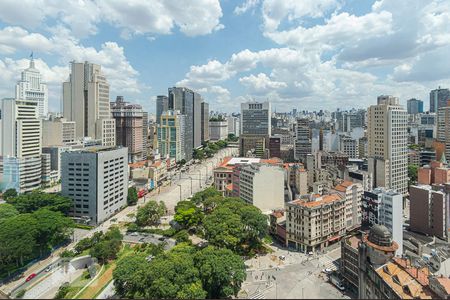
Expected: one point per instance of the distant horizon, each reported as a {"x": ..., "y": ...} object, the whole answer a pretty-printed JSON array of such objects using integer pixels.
[{"x": 308, "y": 55}]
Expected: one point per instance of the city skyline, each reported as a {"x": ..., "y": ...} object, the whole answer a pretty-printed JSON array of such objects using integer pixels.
[{"x": 293, "y": 56}]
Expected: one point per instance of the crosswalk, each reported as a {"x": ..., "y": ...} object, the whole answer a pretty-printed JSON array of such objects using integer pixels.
[
  {"x": 257, "y": 295},
  {"x": 330, "y": 264}
]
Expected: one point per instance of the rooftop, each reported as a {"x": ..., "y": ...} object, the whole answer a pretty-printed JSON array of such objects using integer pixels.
[{"x": 321, "y": 200}]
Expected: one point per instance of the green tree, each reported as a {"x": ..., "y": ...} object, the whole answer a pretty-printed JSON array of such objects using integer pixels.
[
  {"x": 9, "y": 193},
  {"x": 28, "y": 203},
  {"x": 232, "y": 137},
  {"x": 187, "y": 214},
  {"x": 201, "y": 196},
  {"x": 132, "y": 197},
  {"x": 52, "y": 228},
  {"x": 7, "y": 211},
  {"x": 18, "y": 239},
  {"x": 131, "y": 277},
  {"x": 412, "y": 173},
  {"x": 150, "y": 213},
  {"x": 221, "y": 272},
  {"x": 199, "y": 154},
  {"x": 108, "y": 246},
  {"x": 224, "y": 228}
]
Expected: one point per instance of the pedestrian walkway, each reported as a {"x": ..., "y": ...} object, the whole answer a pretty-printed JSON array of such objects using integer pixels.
[
  {"x": 327, "y": 263},
  {"x": 257, "y": 295}
]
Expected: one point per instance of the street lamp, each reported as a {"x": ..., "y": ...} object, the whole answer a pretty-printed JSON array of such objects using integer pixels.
[
  {"x": 179, "y": 185},
  {"x": 199, "y": 179},
  {"x": 191, "y": 184}
]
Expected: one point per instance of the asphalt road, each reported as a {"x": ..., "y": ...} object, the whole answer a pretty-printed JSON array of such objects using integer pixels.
[{"x": 170, "y": 195}]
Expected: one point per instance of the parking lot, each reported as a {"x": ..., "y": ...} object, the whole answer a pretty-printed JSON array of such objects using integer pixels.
[
  {"x": 140, "y": 238},
  {"x": 286, "y": 274}
]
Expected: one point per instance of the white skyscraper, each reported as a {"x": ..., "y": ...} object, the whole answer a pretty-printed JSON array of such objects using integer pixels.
[
  {"x": 31, "y": 87},
  {"x": 86, "y": 101},
  {"x": 20, "y": 145},
  {"x": 387, "y": 144}
]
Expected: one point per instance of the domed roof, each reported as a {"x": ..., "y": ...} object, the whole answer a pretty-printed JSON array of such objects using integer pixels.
[{"x": 380, "y": 235}]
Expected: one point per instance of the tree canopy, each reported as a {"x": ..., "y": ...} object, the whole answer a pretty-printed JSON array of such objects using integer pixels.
[
  {"x": 150, "y": 213},
  {"x": 28, "y": 203},
  {"x": 187, "y": 214},
  {"x": 132, "y": 197},
  {"x": 7, "y": 211}
]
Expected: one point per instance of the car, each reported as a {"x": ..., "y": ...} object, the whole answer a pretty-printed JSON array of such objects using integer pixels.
[
  {"x": 48, "y": 269},
  {"x": 282, "y": 257},
  {"x": 162, "y": 239},
  {"x": 311, "y": 253},
  {"x": 327, "y": 271},
  {"x": 142, "y": 239},
  {"x": 32, "y": 275},
  {"x": 134, "y": 234}
]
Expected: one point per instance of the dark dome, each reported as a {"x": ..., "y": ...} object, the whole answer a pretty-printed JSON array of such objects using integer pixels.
[{"x": 380, "y": 236}]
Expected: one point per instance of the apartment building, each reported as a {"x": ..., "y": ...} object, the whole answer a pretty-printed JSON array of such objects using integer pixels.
[
  {"x": 314, "y": 221},
  {"x": 352, "y": 193}
]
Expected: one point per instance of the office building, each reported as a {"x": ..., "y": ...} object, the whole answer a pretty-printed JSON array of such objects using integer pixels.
[
  {"x": 255, "y": 118},
  {"x": 313, "y": 222},
  {"x": 262, "y": 185},
  {"x": 189, "y": 103},
  {"x": 171, "y": 135},
  {"x": 55, "y": 153},
  {"x": 86, "y": 102},
  {"x": 97, "y": 182},
  {"x": 252, "y": 146},
  {"x": 428, "y": 210},
  {"x": 387, "y": 144},
  {"x": 349, "y": 261},
  {"x": 145, "y": 131},
  {"x": 31, "y": 87},
  {"x": 275, "y": 146},
  {"x": 438, "y": 99},
  {"x": 414, "y": 106},
  {"x": 20, "y": 144},
  {"x": 162, "y": 105},
  {"x": 234, "y": 125},
  {"x": 349, "y": 146},
  {"x": 205, "y": 122},
  {"x": 218, "y": 129},
  {"x": 303, "y": 145},
  {"x": 443, "y": 127},
  {"x": 384, "y": 207},
  {"x": 58, "y": 132},
  {"x": 129, "y": 128}
]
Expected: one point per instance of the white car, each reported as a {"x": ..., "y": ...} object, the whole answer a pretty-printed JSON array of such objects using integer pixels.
[{"x": 327, "y": 271}]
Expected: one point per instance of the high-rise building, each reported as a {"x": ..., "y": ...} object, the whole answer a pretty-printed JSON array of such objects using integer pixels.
[
  {"x": 303, "y": 145},
  {"x": 439, "y": 98},
  {"x": 275, "y": 146},
  {"x": 443, "y": 128},
  {"x": 171, "y": 135},
  {"x": 31, "y": 87},
  {"x": 86, "y": 101},
  {"x": 414, "y": 106},
  {"x": 57, "y": 132},
  {"x": 218, "y": 129},
  {"x": 234, "y": 125},
  {"x": 20, "y": 144},
  {"x": 205, "y": 122},
  {"x": 144, "y": 134},
  {"x": 429, "y": 211},
  {"x": 387, "y": 144},
  {"x": 255, "y": 128},
  {"x": 129, "y": 127},
  {"x": 349, "y": 146},
  {"x": 255, "y": 118},
  {"x": 162, "y": 105},
  {"x": 384, "y": 207},
  {"x": 352, "y": 193},
  {"x": 189, "y": 103},
  {"x": 97, "y": 182}
]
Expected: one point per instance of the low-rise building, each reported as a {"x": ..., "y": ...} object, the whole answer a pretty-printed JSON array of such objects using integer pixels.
[
  {"x": 314, "y": 221},
  {"x": 158, "y": 172},
  {"x": 349, "y": 261},
  {"x": 352, "y": 193}
]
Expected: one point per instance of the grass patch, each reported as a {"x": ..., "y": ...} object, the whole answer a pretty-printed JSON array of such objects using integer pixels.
[
  {"x": 99, "y": 284},
  {"x": 77, "y": 285}
]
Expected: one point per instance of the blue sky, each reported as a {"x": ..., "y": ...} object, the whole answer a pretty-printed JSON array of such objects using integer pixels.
[{"x": 313, "y": 55}]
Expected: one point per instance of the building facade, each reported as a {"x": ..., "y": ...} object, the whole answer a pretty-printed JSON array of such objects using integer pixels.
[
  {"x": 443, "y": 128},
  {"x": 97, "y": 182},
  {"x": 218, "y": 130},
  {"x": 384, "y": 207},
  {"x": 352, "y": 193},
  {"x": 414, "y": 106},
  {"x": 58, "y": 132},
  {"x": 31, "y": 87},
  {"x": 387, "y": 144},
  {"x": 171, "y": 135},
  {"x": 438, "y": 99},
  {"x": 205, "y": 122},
  {"x": 162, "y": 105},
  {"x": 86, "y": 102},
  {"x": 129, "y": 128},
  {"x": 20, "y": 144},
  {"x": 303, "y": 145}
]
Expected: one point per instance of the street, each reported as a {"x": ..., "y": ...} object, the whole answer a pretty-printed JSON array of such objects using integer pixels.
[{"x": 170, "y": 195}]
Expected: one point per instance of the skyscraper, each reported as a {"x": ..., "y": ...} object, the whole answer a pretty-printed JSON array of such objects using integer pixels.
[
  {"x": 387, "y": 144},
  {"x": 255, "y": 128},
  {"x": 31, "y": 87},
  {"x": 20, "y": 144},
  {"x": 129, "y": 126},
  {"x": 439, "y": 98},
  {"x": 205, "y": 122},
  {"x": 443, "y": 128},
  {"x": 303, "y": 144},
  {"x": 162, "y": 105},
  {"x": 171, "y": 135},
  {"x": 189, "y": 103},
  {"x": 414, "y": 106},
  {"x": 86, "y": 101}
]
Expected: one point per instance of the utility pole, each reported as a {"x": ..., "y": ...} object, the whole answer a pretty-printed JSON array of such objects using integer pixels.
[{"x": 179, "y": 185}]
